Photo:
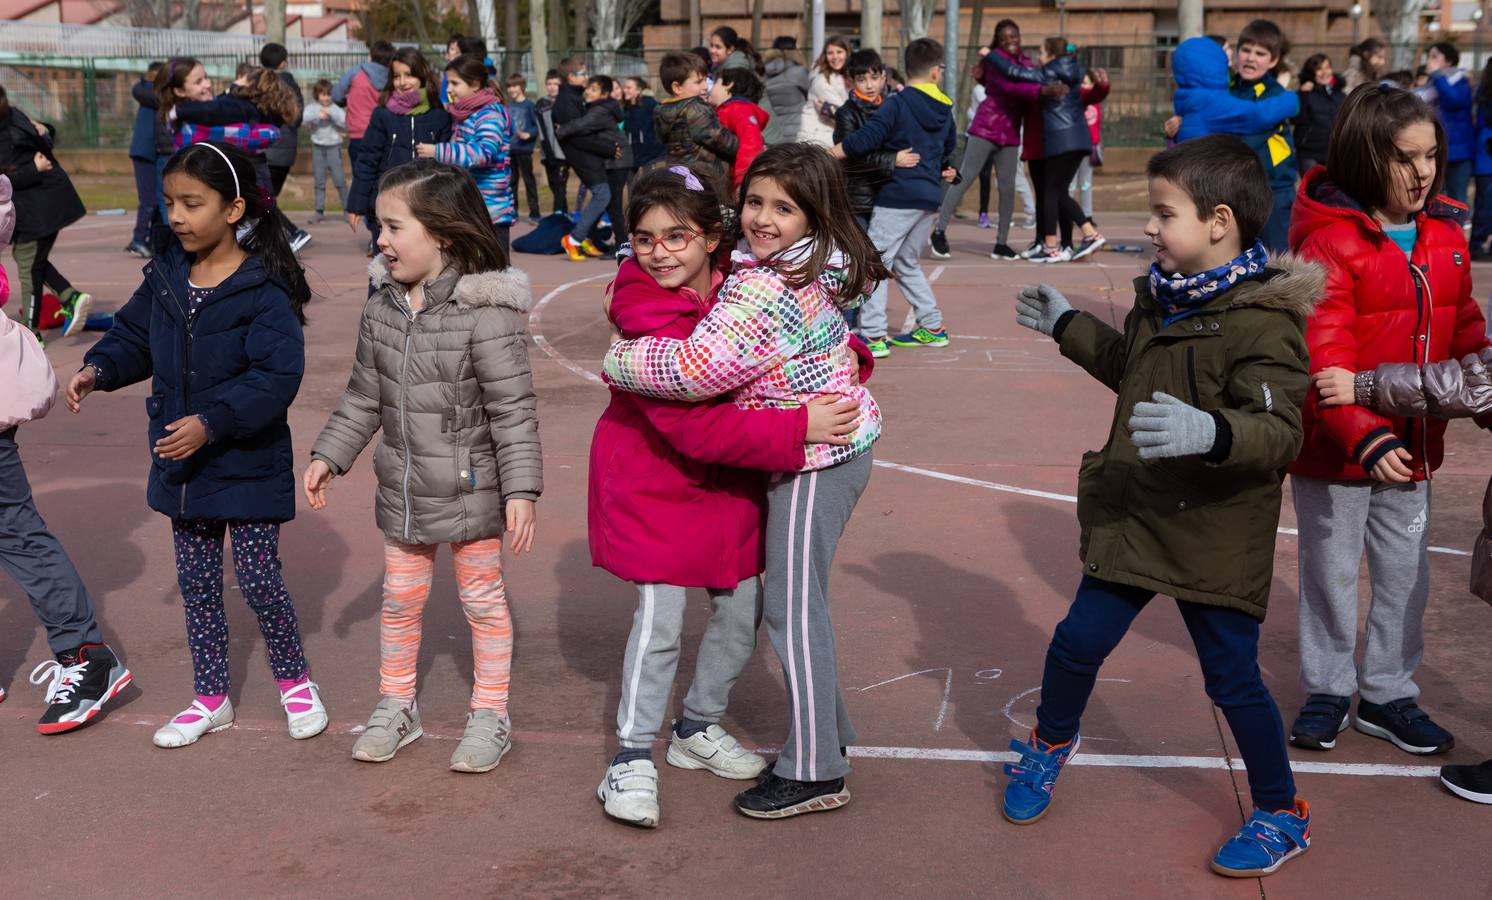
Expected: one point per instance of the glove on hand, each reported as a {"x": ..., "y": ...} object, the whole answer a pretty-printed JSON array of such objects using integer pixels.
[
  {"x": 1039, "y": 307},
  {"x": 1170, "y": 427}
]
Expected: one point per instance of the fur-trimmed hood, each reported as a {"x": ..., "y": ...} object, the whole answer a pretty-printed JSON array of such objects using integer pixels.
[{"x": 500, "y": 287}]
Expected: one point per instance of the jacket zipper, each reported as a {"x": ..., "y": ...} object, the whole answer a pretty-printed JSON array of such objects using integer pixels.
[
  {"x": 1191, "y": 375},
  {"x": 1424, "y": 302},
  {"x": 403, "y": 420},
  {"x": 186, "y": 367}
]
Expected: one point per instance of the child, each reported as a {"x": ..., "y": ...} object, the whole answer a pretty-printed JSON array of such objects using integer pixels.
[
  {"x": 525, "y": 136},
  {"x": 1448, "y": 91},
  {"x": 735, "y": 96},
  {"x": 638, "y": 107},
  {"x": 142, "y": 160},
  {"x": 1481, "y": 217},
  {"x": 85, "y": 673},
  {"x": 695, "y": 519},
  {"x": 1185, "y": 496},
  {"x": 594, "y": 143},
  {"x": 481, "y": 141},
  {"x": 921, "y": 119},
  {"x": 1203, "y": 103},
  {"x": 1398, "y": 290},
  {"x": 442, "y": 368},
  {"x": 408, "y": 114},
  {"x": 1083, "y": 182},
  {"x": 1260, "y": 46},
  {"x": 556, "y": 169},
  {"x": 686, "y": 124},
  {"x": 865, "y": 175},
  {"x": 216, "y": 325},
  {"x": 327, "y": 123},
  {"x": 777, "y": 340},
  {"x": 1447, "y": 389}
]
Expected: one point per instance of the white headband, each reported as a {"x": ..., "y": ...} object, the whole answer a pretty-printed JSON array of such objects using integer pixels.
[{"x": 237, "y": 190}]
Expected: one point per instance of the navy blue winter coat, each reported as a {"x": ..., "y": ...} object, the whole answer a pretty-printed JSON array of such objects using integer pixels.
[
  {"x": 142, "y": 138},
  {"x": 237, "y": 361},
  {"x": 920, "y": 118},
  {"x": 1449, "y": 91},
  {"x": 390, "y": 141}
]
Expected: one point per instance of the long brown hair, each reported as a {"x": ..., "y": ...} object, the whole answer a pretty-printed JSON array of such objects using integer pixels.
[
  {"x": 703, "y": 209},
  {"x": 169, "y": 79},
  {"x": 271, "y": 95},
  {"x": 445, "y": 201},
  {"x": 419, "y": 67},
  {"x": 1362, "y": 151},
  {"x": 815, "y": 182},
  {"x": 822, "y": 66}
]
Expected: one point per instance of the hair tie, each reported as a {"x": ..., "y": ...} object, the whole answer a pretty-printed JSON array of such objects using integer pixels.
[
  {"x": 691, "y": 181},
  {"x": 237, "y": 190},
  {"x": 1385, "y": 87}
]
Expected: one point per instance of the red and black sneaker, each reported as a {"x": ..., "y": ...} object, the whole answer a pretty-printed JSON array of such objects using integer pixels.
[{"x": 83, "y": 680}]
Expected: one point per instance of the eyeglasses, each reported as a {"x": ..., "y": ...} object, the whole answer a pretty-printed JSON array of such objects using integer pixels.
[{"x": 673, "y": 242}]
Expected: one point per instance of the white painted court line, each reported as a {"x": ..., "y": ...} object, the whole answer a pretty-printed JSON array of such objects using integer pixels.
[
  {"x": 1133, "y": 761},
  {"x": 535, "y": 322},
  {"x": 1065, "y": 498}
]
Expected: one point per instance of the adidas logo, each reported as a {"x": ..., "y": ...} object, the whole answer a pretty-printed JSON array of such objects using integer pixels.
[{"x": 1417, "y": 525}]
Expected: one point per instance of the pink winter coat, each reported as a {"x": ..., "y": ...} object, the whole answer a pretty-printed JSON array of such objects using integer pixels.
[
  {"x": 998, "y": 118},
  {"x": 672, "y": 498},
  {"x": 30, "y": 385}
]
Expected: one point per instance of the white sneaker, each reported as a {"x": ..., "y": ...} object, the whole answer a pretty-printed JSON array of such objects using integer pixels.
[
  {"x": 630, "y": 792},
  {"x": 1053, "y": 256},
  {"x": 1031, "y": 251},
  {"x": 181, "y": 734},
  {"x": 306, "y": 724},
  {"x": 716, "y": 751}
]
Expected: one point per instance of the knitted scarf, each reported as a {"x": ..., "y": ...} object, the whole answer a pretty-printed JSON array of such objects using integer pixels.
[
  {"x": 461, "y": 109},
  {"x": 1183, "y": 295},
  {"x": 408, "y": 103}
]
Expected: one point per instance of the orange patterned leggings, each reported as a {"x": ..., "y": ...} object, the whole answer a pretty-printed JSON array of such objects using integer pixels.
[{"x": 408, "y": 569}]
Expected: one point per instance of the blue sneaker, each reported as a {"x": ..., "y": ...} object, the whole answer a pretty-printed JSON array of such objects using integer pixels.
[
  {"x": 1029, "y": 791},
  {"x": 1265, "y": 842}
]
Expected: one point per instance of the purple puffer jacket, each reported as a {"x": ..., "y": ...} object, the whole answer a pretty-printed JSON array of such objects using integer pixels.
[{"x": 998, "y": 118}]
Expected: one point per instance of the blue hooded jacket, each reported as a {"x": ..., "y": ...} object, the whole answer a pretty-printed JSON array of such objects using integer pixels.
[
  {"x": 921, "y": 118},
  {"x": 1483, "y": 157},
  {"x": 1449, "y": 91},
  {"x": 237, "y": 361},
  {"x": 1206, "y": 106}
]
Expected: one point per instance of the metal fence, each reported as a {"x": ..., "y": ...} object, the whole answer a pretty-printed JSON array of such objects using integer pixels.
[{"x": 79, "y": 77}]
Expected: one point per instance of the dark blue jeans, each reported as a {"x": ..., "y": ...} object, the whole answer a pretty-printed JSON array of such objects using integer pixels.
[
  {"x": 1481, "y": 214},
  {"x": 1276, "y": 233},
  {"x": 148, "y": 195},
  {"x": 1227, "y": 643},
  {"x": 595, "y": 207},
  {"x": 1457, "y": 180}
]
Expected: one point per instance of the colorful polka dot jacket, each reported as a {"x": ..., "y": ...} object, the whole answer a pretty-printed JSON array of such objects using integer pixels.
[{"x": 766, "y": 344}]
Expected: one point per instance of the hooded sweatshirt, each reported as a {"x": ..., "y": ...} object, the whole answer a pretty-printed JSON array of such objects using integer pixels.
[
  {"x": 920, "y": 118},
  {"x": 746, "y": 120},
  {"x": 1204, "y": 103},
  {"x": 358, "y": 90}
]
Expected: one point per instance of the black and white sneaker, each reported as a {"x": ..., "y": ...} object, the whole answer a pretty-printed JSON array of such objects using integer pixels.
[
  {"x": 1405, "y": 725},
  {"x": 939, "y": 245},
  {"x": 1323, "y": 717},
  {"x": 775, "y": 797},
  {"x": 1088, "y": 246},
  {"x": 1472, "y": 783},
  {"x": 1003, "y": 251},
  {"x": 83, "y": 680},
  {"x": 299, "y": 240}
]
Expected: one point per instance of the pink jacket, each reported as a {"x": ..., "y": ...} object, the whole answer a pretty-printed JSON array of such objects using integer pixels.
[
  {"x": 998, "y": 119},
  {"x": 672, "y": 499},
  {"x": 30, "y": 386}
]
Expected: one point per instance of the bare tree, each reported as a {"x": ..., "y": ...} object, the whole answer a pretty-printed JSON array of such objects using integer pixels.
[
  {"x": 756, "y": 22},
  {"x": 538, "y": 39},
  {"x": 274, "y": 20},
  {"x": 512, "y": 41},
  {"x": 419, "y": 22},
  {"x": 696, "y": 30},
  {"x": 582, "y": 24},
  {"x": 916, "y": 17},
  {"x": 614, "y": 20},
  {"x": 1399, "y": 20}
]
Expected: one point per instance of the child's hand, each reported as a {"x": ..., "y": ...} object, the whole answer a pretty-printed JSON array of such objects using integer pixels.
[
  {"x": 1337, "y": 387},
  {"x": 1392, "y": 468},
  {"x": 42, "y": 163},
  {"x": 187, "y": 436},
  {"x": 950, "y": 174},
  {"x": 1039, "y": 306},
  {"x": 81, "y": 385},
  {"x": 908, "y": 158},
  {"x": 1100, "y": 75},
  {"x": 317, "y": 481},
  {"x": 520, "y": 525},
  {"x": 524, "y": 135},
  {"x": 1308, "y": 85},
  {"x": 983, "y": 52},
  {"x": 354, "y": 220},
  {"x": 425, "y": 151},
  {"x": 837, "y": 151},
  {"x": 1170, "y": 427},
  {"x": 831, "y": 420},
  {"x": 1172, "y": 126}
]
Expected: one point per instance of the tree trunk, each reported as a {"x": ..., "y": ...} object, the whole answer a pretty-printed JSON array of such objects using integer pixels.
[
  {"x": 419, "y": 24},
  {"x": 696, "y": 37},
  {"x": 274, "y": 20},
  {"x": 512, "y": 41},
  {"x": 870, "y": 25},
  {"x": 1399, "y": 20},
  {"x": 558, "y": 27},
  {"x": 486, "y": 26},
  {"x": 473, "y": 17},
  {"x": 756, "y": 23},
  {"x": 538, "y": 42},
  {"x": 976, "y": 29},
  {"x": 582, "y": 38}
]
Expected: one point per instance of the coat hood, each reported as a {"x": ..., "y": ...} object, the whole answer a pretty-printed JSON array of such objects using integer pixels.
[
  {"x": 501, "y": 287},
  {"x": 640, "y": 305},
  {"x": 779, "y": 63},
  {"x": 1321, "y": 203},
  {"x": 1200, "y": 63},
  {"x": 377, "y": 73},
  {"x": 930, "y": 111}
]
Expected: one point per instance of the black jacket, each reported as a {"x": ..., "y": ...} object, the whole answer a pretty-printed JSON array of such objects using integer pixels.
[
  {"x": 599, "y": 131},
  {"x": 46, "y": 202},
  {"x": 281, "y": 154},
  {"x": 583, "y": 155},
  {"x": 1318, "y": 111},
  {"x": 863, "y": 175}
]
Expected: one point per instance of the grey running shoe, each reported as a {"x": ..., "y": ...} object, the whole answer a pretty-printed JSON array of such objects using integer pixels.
[
  {"x": 391, "y": 726},
  {"x": 485, "y": 743}
]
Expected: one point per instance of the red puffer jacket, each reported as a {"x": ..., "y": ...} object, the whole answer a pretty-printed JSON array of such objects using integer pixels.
[{"x": 1379, "y": 308}]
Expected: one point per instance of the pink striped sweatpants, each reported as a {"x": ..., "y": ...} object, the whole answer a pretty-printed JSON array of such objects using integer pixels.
[{"x": 408, "y": 570}]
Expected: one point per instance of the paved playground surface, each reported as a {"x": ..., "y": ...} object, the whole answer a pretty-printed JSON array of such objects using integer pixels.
[{"x": 960, "y": 559}]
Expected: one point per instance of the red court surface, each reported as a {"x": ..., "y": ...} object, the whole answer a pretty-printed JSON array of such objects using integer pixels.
[{"x": 960, "y": 559}]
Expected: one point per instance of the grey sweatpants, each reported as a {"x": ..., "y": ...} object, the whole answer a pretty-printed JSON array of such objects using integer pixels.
[
  {"x": 806, "y": 514},
  {"x": 900, "y": 235},
  {"x": 327, "y": 160},
  {"x": 652, "y": 657},
  {"x": 1007, "y": 167},
  {"x": 1337, "y": 520},
  {"x": 37, "y": 562}
]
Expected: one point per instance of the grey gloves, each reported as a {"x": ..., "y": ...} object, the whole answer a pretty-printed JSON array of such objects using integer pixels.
[
  {"x": 1171, "y": 427},
  {"x": 1039, "y": 307}
]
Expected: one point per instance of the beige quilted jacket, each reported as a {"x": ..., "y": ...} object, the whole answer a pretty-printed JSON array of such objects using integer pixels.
[{"x": 451, "y": 388}]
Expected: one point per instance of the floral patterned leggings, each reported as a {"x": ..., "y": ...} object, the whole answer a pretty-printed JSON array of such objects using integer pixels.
[
  {"x": 256, "y": 564},
  {"x": 408, "y": 569}
]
